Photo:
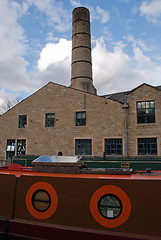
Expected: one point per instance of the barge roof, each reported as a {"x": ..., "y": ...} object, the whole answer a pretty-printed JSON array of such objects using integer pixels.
[{"x": 154, "y": 175}]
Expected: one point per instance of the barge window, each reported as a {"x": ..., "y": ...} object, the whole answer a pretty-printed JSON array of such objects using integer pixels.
[
  {"x": 41, "y": 200},
  {"x": 21, "y": 146},
  {"x": 22, "y": 121},
  {"x": 147, "y": 146},
  {"x": 81, "y": 118},
  {"x": 145, "y": 112},
  {"x": 110, "y": 206},
  {"x": 49, "y": 119},
  {"x": 113, "y": 146},
  {"x": 83, "y": 146}
]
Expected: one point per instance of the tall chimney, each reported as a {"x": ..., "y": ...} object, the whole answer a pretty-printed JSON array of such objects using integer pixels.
[{"x": 81, "y": 71}]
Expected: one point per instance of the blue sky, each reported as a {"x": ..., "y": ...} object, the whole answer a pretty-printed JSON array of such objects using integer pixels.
[{"x": 35, "y": 48}]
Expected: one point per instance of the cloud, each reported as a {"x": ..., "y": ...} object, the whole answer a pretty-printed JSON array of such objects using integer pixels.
[
  {"x": 151, "y": 10},
  {"x": 109, "y": 68},
  {"x": 140, "y": 58},
  {"x": 12, "y": 36},
  {"x": 13, "y": 74},
  {"x": 145, "y": 65},
  {"x": 58, "y": 16},
  {"x": 75, "y": 3},
  {"x": 57, "y": 73},
  {"x": 102, "y": 15},
  {"x": 14, "y": 69},
  {"x": 115, "y": 71},
  {"x": 99, "y": 14},
  {"x": 13, "y": 47},
  {"x": 137, "y": 42},
  {"x": 7, "y": 100},
  {"x": 55, "y": 53},
  {"x": 3, "y": 96},
  {"x": 54, "y": 63}
]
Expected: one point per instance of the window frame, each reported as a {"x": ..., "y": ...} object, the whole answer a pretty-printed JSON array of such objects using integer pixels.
[
  {"x": 125, "y": 201},
  {"x": 23, "y": 145},
  {"x": 113, "y": 141},
  {"x": 48, "y": 121},
  {"x": 10, "y": 148},
  {"x": 22, "y": 121},
  {"x": 82, "y": 120},
  {"x": 81, "y": 144},
  {"x": 53, "y": 196},
  {"x": 146, "y": 115},
  {"x": 143, "y": 146}
]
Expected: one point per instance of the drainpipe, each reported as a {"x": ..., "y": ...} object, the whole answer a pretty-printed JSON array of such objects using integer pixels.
[{"x": 125, "y": 106}]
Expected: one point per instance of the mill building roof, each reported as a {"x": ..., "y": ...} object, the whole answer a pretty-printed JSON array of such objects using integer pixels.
[{"x": 121, "y": 97}]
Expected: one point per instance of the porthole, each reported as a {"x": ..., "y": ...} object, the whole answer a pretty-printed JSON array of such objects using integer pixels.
[
  {"x": 41, "y": 200},
  {"x": 110, "y": 206}
]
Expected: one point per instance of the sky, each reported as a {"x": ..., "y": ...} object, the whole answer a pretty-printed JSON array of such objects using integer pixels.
[{"x": 35, "y": 37}]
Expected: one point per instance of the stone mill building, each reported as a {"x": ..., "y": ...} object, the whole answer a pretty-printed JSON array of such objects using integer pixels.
[{"x": 74, "y": 120}]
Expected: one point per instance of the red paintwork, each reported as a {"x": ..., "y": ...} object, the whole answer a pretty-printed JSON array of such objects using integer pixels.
[
  {"x": 15, "y": 167},
  {"x": 70, "y": 222},
  {"x": 25, "y": 171},
  {"x": 47, "y": 232},
  {"x": 3, "y": 226}
]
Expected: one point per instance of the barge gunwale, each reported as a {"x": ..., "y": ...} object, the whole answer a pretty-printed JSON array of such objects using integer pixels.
[{"x": 154, "y": 175}]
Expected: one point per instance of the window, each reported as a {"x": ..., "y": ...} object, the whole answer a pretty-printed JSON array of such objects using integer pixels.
[
  {"x": 22, "y": 121},
  {"x": 60, "y": 154},
  {"x": 10, "y": 151},
  {"x": 83, "y": 146},
  {"x": 41, "y": 200},
  {"x": 113, "y": 146},
  {"x": 147, "y": 146},
  {"x": 21, "y": 147},
  {"x": 145, "y": 112},
  {"x": 81, "y": 118},
  {"x": 49, "y": 119},
  {"x": 109, "y": 206}
]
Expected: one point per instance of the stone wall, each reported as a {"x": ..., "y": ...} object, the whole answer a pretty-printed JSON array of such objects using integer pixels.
[
  {"x": 105, "y": 118},
  {"x": 143, "y": 93}
]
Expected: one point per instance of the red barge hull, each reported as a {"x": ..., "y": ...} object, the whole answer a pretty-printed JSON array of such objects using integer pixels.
[{"x": 73, "y": 208}]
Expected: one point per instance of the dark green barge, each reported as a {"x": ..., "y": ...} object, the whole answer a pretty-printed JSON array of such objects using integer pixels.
[{"x": 135, "y": 163}]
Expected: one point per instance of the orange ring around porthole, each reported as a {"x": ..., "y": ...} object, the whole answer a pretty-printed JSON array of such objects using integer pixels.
[
  {"x": 53, "y": 196},
  {"x": 126, "y": 206}
]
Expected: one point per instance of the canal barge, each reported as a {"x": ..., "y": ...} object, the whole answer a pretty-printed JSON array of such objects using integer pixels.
[{"x": 60, "y": 199}]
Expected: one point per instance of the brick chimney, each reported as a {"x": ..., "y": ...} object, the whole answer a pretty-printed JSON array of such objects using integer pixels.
[{"x": 81, "y": 70}]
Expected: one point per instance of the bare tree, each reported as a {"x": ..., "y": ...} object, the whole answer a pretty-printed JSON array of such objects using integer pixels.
[{"x": 8, "y": 104}]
